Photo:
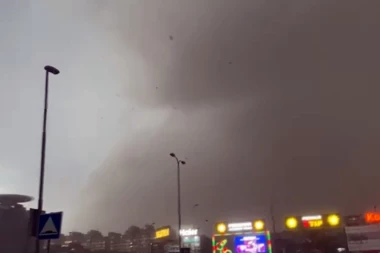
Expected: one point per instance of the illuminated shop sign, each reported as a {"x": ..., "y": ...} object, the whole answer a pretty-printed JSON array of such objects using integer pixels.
[
  {"x": 191, "y": 239},
  {"x": 243, "y": 226},
  {"x": 371, "y": 217},
  {"x": 256, "y": 242},
  {"x": 312, "y": 221},
  {"x": 162, "y": 233},
  {"x": 257, "y": 225},
  {"x": 188, "y": 232}
]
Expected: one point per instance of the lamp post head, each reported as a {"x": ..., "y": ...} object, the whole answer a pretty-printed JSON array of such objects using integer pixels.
[
  {"x": 183, "y": 162},
  {"x": 51, "y": 69},
  {"x": 172, "y": 154}
]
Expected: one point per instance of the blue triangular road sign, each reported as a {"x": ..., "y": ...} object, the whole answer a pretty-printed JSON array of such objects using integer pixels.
[{"x": 50, "y": 226}]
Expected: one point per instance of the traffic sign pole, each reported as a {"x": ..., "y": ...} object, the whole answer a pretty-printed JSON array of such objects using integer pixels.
[{"x": 48, "y": 246}]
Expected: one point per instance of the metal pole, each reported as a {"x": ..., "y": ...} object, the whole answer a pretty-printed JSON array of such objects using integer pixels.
[
  {"x": 42, "y": 168},
  {"x": 48, "y": 247},
  {"x": 179, "y": 204}
]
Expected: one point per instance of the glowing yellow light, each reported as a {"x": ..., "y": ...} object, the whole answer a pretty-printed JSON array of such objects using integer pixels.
[
  {"x": 313, "y": 223},
  {"x": 165, "y": 232},
  {"x": 291, "y": 223},
  {"x": 333, "y": 220},
  {"x": 221, "y": 228},
  {"x": 259, "y": 225}
]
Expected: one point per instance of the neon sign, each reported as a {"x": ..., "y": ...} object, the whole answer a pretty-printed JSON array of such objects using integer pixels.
[
  {"x": 243, "y": 226},
  {"x": 221, "y": 247},
  {"x": 188, "y": 232},
  {"x": 255, "y": 242},
  {"x": 251, "y": 244},
  {"x": 372, "y": 217},
  {"x": 165, "y": 232},
  {"x": 314, "y": 221}
]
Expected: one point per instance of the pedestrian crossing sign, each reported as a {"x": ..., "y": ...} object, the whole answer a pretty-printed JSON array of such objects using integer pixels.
[{"x": 49, "y": 226}]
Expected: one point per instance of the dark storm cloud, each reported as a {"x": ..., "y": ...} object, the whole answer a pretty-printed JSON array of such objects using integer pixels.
[{"x": 271, "y": 101}]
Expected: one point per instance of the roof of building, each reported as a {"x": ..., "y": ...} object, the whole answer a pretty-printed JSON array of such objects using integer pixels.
[{"x": 13, "y": 199}]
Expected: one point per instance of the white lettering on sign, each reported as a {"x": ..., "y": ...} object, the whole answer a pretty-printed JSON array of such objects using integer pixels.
[
  {"x": 243, "y": 226},
  {"x": 188, "y": 232},
  {"x": 313, "y": 217}
]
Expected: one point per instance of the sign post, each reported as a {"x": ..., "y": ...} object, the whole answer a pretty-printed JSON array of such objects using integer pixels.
[{"x": 48, "y": 246}]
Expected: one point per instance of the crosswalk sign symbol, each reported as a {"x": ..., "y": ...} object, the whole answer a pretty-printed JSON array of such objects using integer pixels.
[{"x": 50, "y": 226}]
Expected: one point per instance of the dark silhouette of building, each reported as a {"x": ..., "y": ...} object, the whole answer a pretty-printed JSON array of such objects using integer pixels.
[{"x": 14, "y": 221}]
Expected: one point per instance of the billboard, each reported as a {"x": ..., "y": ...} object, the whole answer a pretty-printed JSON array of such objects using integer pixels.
[
  {"x": 257, "y": 225},
  {"x": 242, "y": 243},
  {"x": 162, "y": 233}
]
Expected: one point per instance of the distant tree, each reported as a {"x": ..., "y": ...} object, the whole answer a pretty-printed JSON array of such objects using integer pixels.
[
  {"x": 133, "y": 232},
  {"x": 94, "y": 235},
  {"x": 149, "y": 230}
]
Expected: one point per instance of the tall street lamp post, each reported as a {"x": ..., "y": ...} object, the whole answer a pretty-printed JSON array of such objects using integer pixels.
[
  {"x": 179, "y": 162},
  {"x": 54, "y": 71}
]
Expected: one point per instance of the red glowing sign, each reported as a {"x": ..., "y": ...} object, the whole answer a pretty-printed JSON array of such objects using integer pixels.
[
  {"x": 372, "y": 217},
  {"x": 312, "y": 223}
]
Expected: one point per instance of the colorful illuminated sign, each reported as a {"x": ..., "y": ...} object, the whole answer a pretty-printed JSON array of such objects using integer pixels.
[
  {"x": 251, "y": 244},
  {"x": 314, "y": 221},
  {"x": 371, "y": 217},
  {"x": 162, "y": 233},
  {"x": 257, "y": 225},
  {"x": 188, "y": 232},
  {"x": 242, "y": 243}
]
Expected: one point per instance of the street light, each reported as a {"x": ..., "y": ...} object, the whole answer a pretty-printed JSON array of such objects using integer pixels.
[
  {"x": 54, "y": 71},
  {"x": 179, "y": 162}
]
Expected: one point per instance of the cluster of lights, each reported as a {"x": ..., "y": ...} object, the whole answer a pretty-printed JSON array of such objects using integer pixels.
[
  {"x": 315, "y": 221},
  {"x": 257, "y": 225}
]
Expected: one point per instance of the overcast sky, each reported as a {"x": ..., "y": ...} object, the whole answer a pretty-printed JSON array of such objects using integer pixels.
[{"x": 267, "y": 102}]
